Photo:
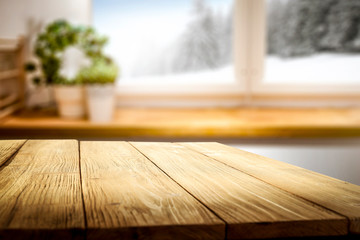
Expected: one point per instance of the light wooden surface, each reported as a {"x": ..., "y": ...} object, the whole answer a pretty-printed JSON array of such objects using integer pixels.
[
  {"x": 125, "y": 192},
  {"x": 40, "y": 195},
  {"x": 8, "y": 148},
  {"x": 339, "y": 196},
  {"x": 190, "y": 123},
  {"x": 251, "y": 208},
  {"x": 65, "y": 189}
]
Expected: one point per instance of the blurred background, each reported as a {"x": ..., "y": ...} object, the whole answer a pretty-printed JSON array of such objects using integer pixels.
[{"x": 279, "y": 78}]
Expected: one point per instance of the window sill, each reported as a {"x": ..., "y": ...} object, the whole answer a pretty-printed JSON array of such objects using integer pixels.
[{"x": 143, "y": 123}]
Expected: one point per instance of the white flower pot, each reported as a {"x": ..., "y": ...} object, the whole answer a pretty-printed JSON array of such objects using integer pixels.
[
  {"x": 100, "y": 102},
  {"x": 70, "y": 101}
]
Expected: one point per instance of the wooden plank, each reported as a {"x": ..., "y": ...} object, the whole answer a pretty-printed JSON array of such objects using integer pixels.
[
  {"x": 9, "y": 41},
  {"x": 8, "y": 48},
  {"x": 8, "y": 148},
  {"x": 11, "y": 98},
  {"x": 20, "y": 62},
  {"x": 9, "y": 44},
  {"x": 9, "y": 74},
  {"x": 251, "y": 208},
  {"x": 40, "y": 192},
  {"x": 126, "y": 196},
  {"x": 339, "y": 196},
  {"x": 10, "y": 109}
]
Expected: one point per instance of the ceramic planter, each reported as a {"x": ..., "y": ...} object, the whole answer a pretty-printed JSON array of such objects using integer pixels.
[
  {"x": 100, "y": 102},
  {"x": 70, "y": 101}
]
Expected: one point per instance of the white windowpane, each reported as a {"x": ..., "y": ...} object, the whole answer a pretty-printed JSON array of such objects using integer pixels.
[
  {"x": 313, "y": 41},
  {"x": 162, "y": 41}
]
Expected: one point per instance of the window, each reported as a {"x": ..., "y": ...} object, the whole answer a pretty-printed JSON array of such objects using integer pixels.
[
  {"x": 313, "y": 42},
  {"x": 226, "y": 53},
  {"x": 170, "y": 47},
  {"x": 312, "y": 52}
]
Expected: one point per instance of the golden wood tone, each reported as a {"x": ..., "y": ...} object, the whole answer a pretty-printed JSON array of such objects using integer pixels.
[
  {"x": 8, "y": 148},
  {"x": 60, "y": 189},
  {"x": 251, "y": 208},
  {"x": 339, "y": 196},
  {"x": 12, "y": 96},
  {"x": 125, "y": 195},
  {"x": 9, "y": 74},
  {"x": 191, "y": 123},
  {"x": 40, "y": 195}
]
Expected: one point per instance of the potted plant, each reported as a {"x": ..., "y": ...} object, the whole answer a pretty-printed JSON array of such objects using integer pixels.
[
  {"x": 70, "y": 98},
  {"x": 50, "y": 48},
  {"x": 100, "y": 88}
]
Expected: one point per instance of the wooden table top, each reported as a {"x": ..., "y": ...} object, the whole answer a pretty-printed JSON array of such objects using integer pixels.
[
  {"x": 62, "y": 189},
  {"x": 189, "y": 123}
]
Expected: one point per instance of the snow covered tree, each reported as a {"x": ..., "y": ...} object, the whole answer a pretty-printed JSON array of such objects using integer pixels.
[
  {"x": 199, "y": 47},
  {"x": 295, "y": 27},
  {"x": 343, "y": 27},
  {"x": 304, "y": 27},
  {"x": 205, "y": 44},
  {"x": 225, "y": 30},
  {"x": 275, "y": 24}
]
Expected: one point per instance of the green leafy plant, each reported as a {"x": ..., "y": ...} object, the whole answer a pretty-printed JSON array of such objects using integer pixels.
[
  {"x": 51, "y": 44},
  {"x": 60, "y": 80},
  {"x": 102, "y": 71}
]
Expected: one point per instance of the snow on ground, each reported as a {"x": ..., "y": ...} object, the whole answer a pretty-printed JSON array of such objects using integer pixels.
[
  {"x": 220, "y": 75},
  {"x": 325, "y": 68}
]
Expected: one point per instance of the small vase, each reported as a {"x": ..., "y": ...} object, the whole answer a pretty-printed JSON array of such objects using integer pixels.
[
  {"x": 70, "y": 101},
  {"x": 100, "y": 102}
]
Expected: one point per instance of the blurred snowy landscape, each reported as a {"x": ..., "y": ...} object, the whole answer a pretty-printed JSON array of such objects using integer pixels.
[
  {"x": 169, "y": 41},
  {"x": 190, "y": 41},
  {"x": 313, "y": 42},
  {"x": 326, "y": 68},
  {"x": 218, "y": 76},
  {"x": 323, "y": 68}
]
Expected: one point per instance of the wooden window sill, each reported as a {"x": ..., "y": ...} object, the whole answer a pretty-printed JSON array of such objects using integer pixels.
[{"x": 190, "y": 123}]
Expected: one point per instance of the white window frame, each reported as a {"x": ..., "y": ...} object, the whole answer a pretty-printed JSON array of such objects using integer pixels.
[{"x": 249, "y": 89}]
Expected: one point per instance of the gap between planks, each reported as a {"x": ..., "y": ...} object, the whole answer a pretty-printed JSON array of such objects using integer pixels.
[
  {"x": 198, "y": 177},
  {"x": 247, "y": 163},
  {"x": 14, "y": 153},
  {"x": 9, "y": 149},
  {"x": 35, "y": 203},
  {"x": 82, "y": 192},
  {"x": 130, "y": 182},
  {"x": 172, "y": 179},
  {"x": 254, "y": 176},
  {"x": 217, "y": 215}
]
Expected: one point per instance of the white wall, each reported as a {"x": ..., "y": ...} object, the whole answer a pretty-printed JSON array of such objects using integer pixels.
[
  {"x": 338, "y": 158},
  {"x": 28, "y": 17},
  {"x": 16, "y": 16}
]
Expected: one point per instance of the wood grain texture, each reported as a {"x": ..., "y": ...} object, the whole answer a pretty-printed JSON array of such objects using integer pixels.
[
  {"x": 8, "y": 148},
  {"x": 40, "y": 192},
  {"x": 251, "y": 208},
  {"x": 9, "y": 74},
  {"x": 191, "y": 123},
  {"x": 126, "y": 196},
  {"x": 17, "y": 77},
  {"x": 339, "y": 196}
]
